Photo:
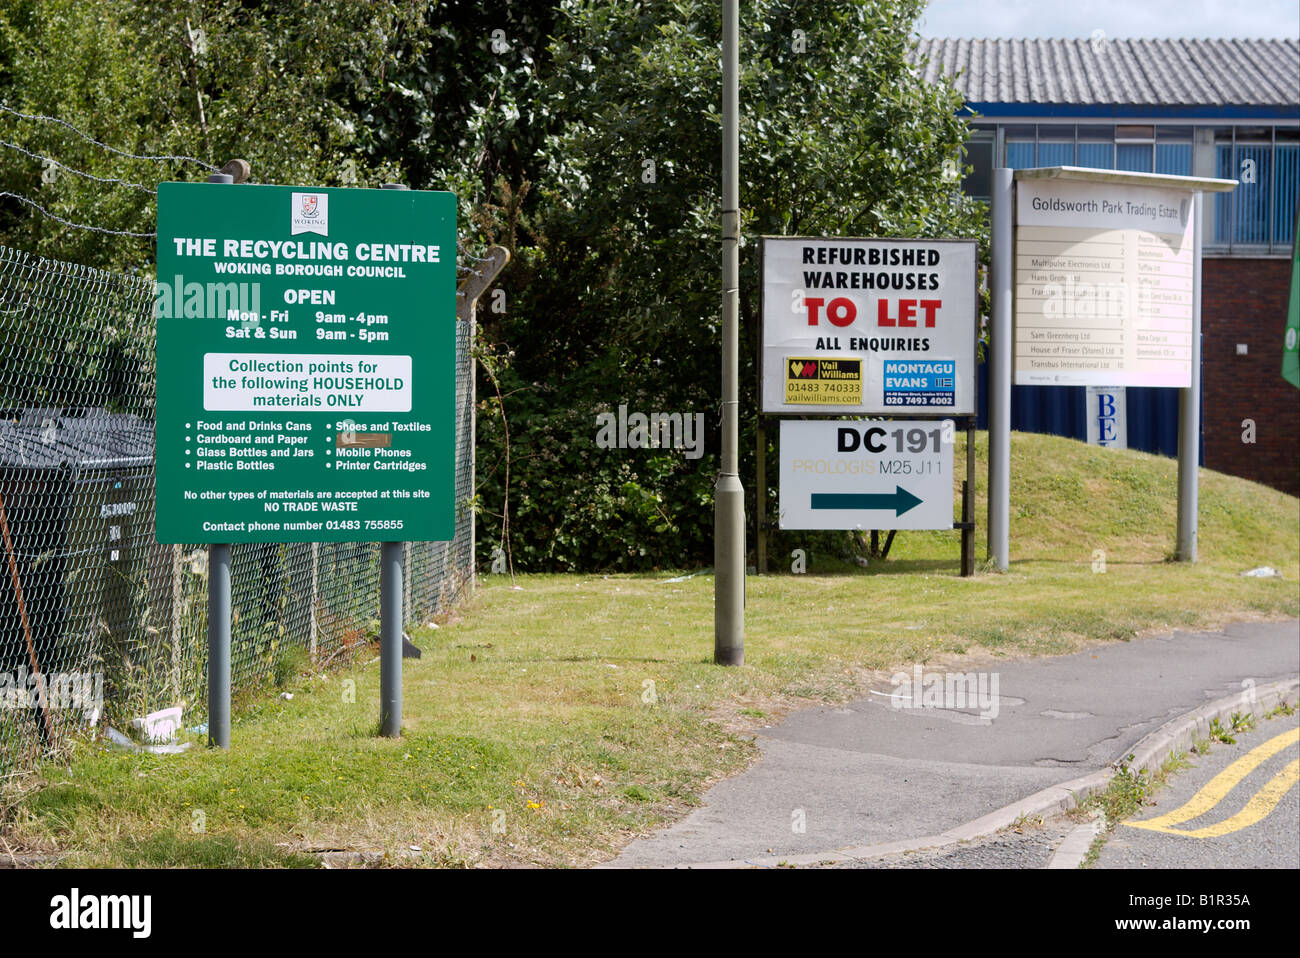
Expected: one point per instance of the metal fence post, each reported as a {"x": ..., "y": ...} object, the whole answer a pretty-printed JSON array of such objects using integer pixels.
[
  {"x": 313, "y": 623},
  {"x": 471, "y": 333},
  {"x": 467, "y": 295},
  {"x": 177, "y": 597}
]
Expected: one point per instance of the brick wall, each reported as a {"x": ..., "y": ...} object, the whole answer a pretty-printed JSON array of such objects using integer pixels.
[{"x": 1244, "y": 301}]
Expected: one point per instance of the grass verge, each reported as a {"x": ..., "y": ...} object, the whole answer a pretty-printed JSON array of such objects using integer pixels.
[{"x": 549, "y": 722}]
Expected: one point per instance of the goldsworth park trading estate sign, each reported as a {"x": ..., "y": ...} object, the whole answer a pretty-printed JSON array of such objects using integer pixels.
[
  {"x": 306, "y": 364},
  {"x": 1104, "y": 288}
]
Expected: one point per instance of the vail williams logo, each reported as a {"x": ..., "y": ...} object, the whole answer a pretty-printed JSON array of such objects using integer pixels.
[
  {"x": 309, "y": 213},
  {"x": 836, "y": 382}
]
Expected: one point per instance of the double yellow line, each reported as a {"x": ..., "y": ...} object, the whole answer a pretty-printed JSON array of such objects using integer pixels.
[{"x": 1217, "y": 788}]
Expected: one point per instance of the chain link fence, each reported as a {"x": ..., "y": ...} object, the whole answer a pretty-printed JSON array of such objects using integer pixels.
[{"x": 100, "y": 623}]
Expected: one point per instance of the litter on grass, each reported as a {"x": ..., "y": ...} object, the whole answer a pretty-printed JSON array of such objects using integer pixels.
[
  {"x": 158, "y": 727},
  {"x": 1263, "y": 572},
  {"x": 683, "y": 578},
  {"x": 121, "y": 741}
]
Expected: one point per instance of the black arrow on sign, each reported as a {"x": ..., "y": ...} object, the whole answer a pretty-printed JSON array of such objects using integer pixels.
[{"x": 900, "y": 500}]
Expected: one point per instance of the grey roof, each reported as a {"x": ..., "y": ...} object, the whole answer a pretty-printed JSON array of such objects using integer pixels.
[{"x": 1147, "y": 72}]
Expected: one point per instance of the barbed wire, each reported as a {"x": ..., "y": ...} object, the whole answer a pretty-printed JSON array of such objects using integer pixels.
[
  {"x": 80, "y": 226},
  {"x": 460, "y": 248},
  {"x": 112, "y": 149},
  {"x": 76, "y": 172}
]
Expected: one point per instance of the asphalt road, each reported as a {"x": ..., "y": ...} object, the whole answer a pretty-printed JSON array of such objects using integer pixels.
[
  {"x": 871, "y": 773},
  {"x": 1238, "y": 807}
]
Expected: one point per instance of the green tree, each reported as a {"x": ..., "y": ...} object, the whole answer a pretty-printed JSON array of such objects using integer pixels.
[
  {"x": 279, "y": 84},
  {"x": 584, "y": 134},
  {"x": 839, "y": 136},
  {"x": 464, "y": 107}
]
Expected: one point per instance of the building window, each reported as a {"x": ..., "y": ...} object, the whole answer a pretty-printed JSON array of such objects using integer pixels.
[
  {"x": 1174, "y": 150},
  {"x": 1133, "y": 157},
  {"x": 1020, "y": 141},
  {"x": 1286, "y": 186},
  {"x": 1097, "y": 147},
  {"x": 1259, "y": 215},
  {"x": 978, "y": 183},
  {"x": 1056, "y": 146},
  {"x": 1174, "y": 159},
  {"x": 1135, "y": 148}
]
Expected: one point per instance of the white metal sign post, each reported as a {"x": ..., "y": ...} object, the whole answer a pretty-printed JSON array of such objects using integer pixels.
[{"x": 1101, "y": 271}]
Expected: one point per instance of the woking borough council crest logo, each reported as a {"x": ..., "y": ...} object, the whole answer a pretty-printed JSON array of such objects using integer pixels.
[{"x": 309, "y": 213}]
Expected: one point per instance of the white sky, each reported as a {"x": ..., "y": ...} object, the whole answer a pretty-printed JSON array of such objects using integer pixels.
[{"x": 1149, "y": 19}]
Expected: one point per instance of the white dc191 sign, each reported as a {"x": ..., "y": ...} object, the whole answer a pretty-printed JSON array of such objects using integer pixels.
[{"x": 873, "y": 474}]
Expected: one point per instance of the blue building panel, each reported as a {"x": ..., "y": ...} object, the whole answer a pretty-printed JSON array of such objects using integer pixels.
[{"x": 1061, "y": 411}]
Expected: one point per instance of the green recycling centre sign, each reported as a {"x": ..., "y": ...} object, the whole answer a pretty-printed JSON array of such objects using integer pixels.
[{"x": 306, "y": 364}]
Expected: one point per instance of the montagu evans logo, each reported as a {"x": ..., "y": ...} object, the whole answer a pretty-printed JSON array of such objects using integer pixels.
[
  {"x": 77, "y": 911},
  {"x": 309, "y": 213}
]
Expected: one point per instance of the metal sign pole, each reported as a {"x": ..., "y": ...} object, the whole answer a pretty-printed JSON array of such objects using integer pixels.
[
  {"x": 219, "y": 621},
  {"x": 760, "y": 523},
  {"x": 219, "y": 645},
  {"x": 1000, "y": 281},
  {"x": 760, "y": 444},
  {"x": 392, "y": 575},
  {"x": 390, "y": 639},
  {"x": 729, "y": 495},
  {"x": 1189, "y": 411},
  {"x": 968, "y": 503}
]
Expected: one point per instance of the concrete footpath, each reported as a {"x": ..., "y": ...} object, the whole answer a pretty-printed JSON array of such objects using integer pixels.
[{"x": 870, "y": 774}]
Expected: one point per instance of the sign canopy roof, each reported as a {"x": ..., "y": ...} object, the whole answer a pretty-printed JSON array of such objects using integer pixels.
[{"x": 1205, "y": 184}]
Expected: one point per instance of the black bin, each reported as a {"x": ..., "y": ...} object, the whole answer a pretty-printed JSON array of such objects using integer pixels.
[{"x": 76, "y": 489}]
